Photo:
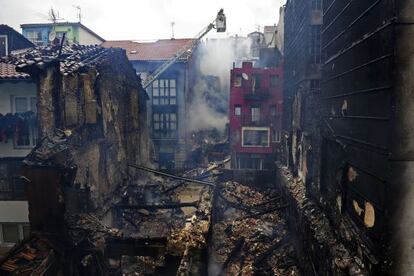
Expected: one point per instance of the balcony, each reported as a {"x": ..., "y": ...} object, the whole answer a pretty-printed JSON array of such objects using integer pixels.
[
  {"x": 261, "y": 94},
  {"x": 246, "y": 120}
]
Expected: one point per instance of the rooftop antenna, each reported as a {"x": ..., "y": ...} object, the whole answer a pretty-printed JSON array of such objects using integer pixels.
[
  {"x": 172, "y": 30},
  {"x": 79, "y": 12},
  {"x": 54, "y": 16}
]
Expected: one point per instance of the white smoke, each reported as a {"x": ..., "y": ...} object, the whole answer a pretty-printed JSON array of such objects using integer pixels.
[{"x": 209, "y": 106}]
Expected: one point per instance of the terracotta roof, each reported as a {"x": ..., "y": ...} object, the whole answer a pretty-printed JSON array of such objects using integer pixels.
[
  {"x": 8, "y": 71},
  {"x": 162, "y": 49}
]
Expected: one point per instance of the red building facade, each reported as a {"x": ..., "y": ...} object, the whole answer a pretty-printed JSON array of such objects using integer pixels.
[{"x": 255, "y": 115}]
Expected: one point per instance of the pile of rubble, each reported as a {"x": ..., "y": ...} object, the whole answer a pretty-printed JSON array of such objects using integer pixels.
[
  {"x": 249, "y": 235},
  {"x": 208, "y": 145},
  {"x": 166, "y": 208}
]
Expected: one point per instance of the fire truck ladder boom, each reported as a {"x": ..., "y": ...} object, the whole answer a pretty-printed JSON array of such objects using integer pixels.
[{"x": 219, "y": 23}]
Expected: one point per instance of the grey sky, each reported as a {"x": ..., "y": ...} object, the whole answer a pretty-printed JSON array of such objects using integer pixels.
[{"x": 146, "y": 19}]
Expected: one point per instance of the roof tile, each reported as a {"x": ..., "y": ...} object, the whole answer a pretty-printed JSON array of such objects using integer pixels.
[
  {"x": 162, "y": 49},
  {"x": 8, "y": 71}
]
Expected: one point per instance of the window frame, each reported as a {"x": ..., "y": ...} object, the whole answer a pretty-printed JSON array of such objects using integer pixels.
[
  {"x": 237, "y": 77},
  {"x": 256, "y": 82},
  {"x": 33, "y": 131},
  {"x": 6, "y": 40},
  {"x": 244, "y": 129},
  {"x": 255, "y": 118},
  {"x": 273, "y": 83},
  {"x": 273, "y": 110},
  {"x": 276, "y": 136},
  {"x": 35, "y": 39},
  {"x": 162, "y": 92},
  {"x": 164, "y": 125},
  {"x": 238, "y": 108},
  {"x": 20, "y": 231}
]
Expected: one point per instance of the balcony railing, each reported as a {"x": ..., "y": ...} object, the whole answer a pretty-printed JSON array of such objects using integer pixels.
[
  {"x": 258, "y": 95},
  {"x": 247, "y": 120}
]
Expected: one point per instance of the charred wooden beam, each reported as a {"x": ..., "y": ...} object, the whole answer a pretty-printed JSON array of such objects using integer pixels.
[
  {"x": 116, "y": 247},
  {"x": 160, "y": 206},
  {"x": 273, "y": 199},
  {"x": 173, "y": 187},
  {"x": 171, "y": 175},
  {"x": 267, "y": 211},
  {"x": 236, "y": 250},
  {"x": 262, "y": 257}
]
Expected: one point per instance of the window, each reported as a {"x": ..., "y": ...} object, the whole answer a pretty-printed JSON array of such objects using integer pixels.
[
  {"x": 250, "y": 163},
  {"x": 237, "y": 81},
  {"x": 4, "y": 51},
  {"x": 255, "y": 114},
  {"x": 274, "y": 81},
  {"x": 315, "y": 47},
  {"x": 273, "y": 110},
  {"x": 255, "y": 137},
  {"x": 33, "y": 104},
  {"x": 35, "y": 37},
  {"x": 23, "y": 104},
  {"x": 10, "y": 233},
  {"x": 59, "y": 35},
  {"x": 20, "y": 104},
  {"x": 164, "y": 92},
  {"x": 317, "y": 4},
  {"x": 255, "y": 82},
  {"x": 164, "y": 125},
  {"x": 13, "y": 232},
  {"x": 26, "y": 132},
  {"x": 237, "y": 110},
  {"x": 276, "y": 136}
]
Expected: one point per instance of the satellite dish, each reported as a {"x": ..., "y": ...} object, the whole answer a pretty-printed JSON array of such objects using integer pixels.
[
  {"x": 52, "y": 36},
  {"x": 245, "y": 76}
]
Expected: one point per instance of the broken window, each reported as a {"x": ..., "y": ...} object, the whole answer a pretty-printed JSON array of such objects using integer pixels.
[
  {"x": 317, "y": 4},
  {"x": 276, "y": 136},
  {"x": 250, "y": 163},
  {"x": 237, "y": 81},
  {"x": 315, "y": 38},
  {"x": 237, "y": 110},
  {"x": 255, "y": 82},
  {"x": 255, "y": 112},
  {"x": 274, "y": 81},
  {"x": 256, "y": 137},
  {"x": 164, "y": 92}
]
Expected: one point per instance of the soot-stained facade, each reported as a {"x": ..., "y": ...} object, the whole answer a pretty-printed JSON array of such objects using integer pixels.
[
  {"x": 348, "y": 129},
  {"x": 366, "y": 173},
  {"x": 94, "y": 93},
  {"x": 169, "y": 96},
  {"x": 303, "y": 20}
]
